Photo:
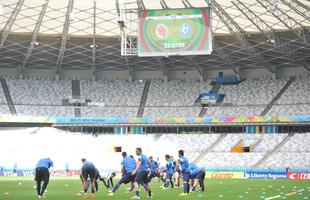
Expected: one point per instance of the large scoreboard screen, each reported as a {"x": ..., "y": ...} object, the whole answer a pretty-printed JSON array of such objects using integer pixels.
[{"x": 175, "y": 32}]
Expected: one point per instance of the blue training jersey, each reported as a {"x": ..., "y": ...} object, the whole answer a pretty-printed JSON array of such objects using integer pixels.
[
  {"x": 129, "y": 165},
  {"x": 87, "y": 165},
  {"x": 153, "y": 166},
  {"x": 184, "y": 165},
  {"x": 45, "y": 163},
  {"x": 194, "y": 169},
  {"x": 144, "y": 163},
  {"x": 169, "y": 167}
]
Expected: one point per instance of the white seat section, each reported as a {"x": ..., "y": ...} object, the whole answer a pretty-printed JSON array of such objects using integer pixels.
[
  {"x": 45, "y": 111},
  {"x": 171, "y": 112},
  {"x": 298, "y": 92},
  {"x": 223, "y": 111},
  {"x": 269, "y": 142},
  {"x": 2, "y": 96},
  {"x": 265, "y": 142},
  {"x": 252, "y": 91},
  {"x": 288, "y": 159},
  {"x": 109, "y": 111},
  {"x": 298, "y": 143},
  {"x": 4, "y": 109},
  {"x": 176, "y": 93},
  {"x": 231, "y": 160},
  {"x": 190, "y": 142},
  {"x": 39, "y": 92},
  {"x": 285, "y": 110},
  {"x": 113, "y": 93}
]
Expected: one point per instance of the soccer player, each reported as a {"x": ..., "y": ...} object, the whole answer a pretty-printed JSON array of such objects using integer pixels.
[
  {"x": 184, "y": 168},
  {"x": 128, "y": 165},
  {"x": 88, "y": 170},
  {"x": 154, "y": 169},
  {"x": 109, "y": 182},
  {"x": 141, "y": 173},
  {"x": 195, "y": 175},
  {"x": 169, "y": 172},
  {"x": 43, "y": 169}
]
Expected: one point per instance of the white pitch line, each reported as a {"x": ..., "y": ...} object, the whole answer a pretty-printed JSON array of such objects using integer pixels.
[{"x": 275, "y": 197}]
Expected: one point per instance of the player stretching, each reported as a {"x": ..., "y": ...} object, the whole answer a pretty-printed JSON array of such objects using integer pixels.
[
  {"x": 154, "y": 169},
  {"x": 184, "y": 168},
  {"x": 169, "y": 172},
  {"x": 88, "y": 171},
  {"x": 141, "y": 173},
  {"x": 43, "y": 174},
  {"x": 128, "y": 165},
  {"x": 195, "y": 175}
]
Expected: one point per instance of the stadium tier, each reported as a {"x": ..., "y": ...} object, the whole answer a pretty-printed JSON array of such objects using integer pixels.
[
  {"x": 204, "y": 149},
  {"x": 44, "y": 97}
]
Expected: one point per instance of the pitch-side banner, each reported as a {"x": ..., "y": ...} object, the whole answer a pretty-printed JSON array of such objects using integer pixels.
[
  {"x": 265, "y": 175},
  {"x": 175, "y": 32},
  {"x": 299, "y": 175},
  {"x": 225, "y": 175}
]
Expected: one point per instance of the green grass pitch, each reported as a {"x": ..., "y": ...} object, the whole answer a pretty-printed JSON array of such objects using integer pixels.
[{"x": 16, "y": 188}]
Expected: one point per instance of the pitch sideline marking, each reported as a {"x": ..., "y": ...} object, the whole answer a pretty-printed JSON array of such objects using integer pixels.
[{"x": 288, "y": 194}]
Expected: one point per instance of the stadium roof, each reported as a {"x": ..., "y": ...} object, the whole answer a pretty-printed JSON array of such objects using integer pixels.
[{"x": 60, "y": 34}]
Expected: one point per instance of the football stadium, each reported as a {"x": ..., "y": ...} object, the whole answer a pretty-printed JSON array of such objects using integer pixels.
[{"x": 155, "y": 99}]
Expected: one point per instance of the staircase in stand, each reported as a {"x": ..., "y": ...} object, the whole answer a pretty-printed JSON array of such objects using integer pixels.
[
  {"x": 8, "y": 96},
  {"x": 144, "y": 98}
]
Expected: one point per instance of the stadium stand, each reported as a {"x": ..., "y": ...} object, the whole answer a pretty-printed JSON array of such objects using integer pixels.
[
  {"x": 222, "y": 111},
  {"x": 39, "y": 91},
  {"x": 297, "y": 93},
  {"x": 45, "y": 111},
  {"x": 252, "y": 91},
  {"x": 171, "y": 111},
  {"x": 113, "y": 93},
  {"x": 2, "y": 97},
  {"x": 4, "y": 109},
  {"x": 176, "y": 93},
  {"x": 165, "y": 99},
  {"x": 230, "y": 160},
  {"x": 281, "y": 160},
  {"x": 193, "y": 144},
  {"x": 285, "y": 110},
  {"x": 294, "y": 153},
  {"x": 109, "y": 111}
]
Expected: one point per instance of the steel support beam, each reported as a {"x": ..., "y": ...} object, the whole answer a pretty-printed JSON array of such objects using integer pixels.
[
  {"x": 187, "y": 4},
  {"x": 162, "y": 65},
  {"x": 216, "y": 48},
  {"x": 163, "y": 4},
  {"x": 300, "y": 8},
  {"x": 270, "y": 34},
  {"x": 239, "y": 34},
  {"x": 8, "y": 26},
  {"x": 295, "y": 27},
  {"x": 130, "y": 68},
  {"x": 64, "y": 36},
  {"x": 196, "y": 65},
  {"x": 34, "y": 36},
  {"x": 141, "y": 5},
  {"x": 226, "y": 58},
  {"x": 94, "y": 41}
]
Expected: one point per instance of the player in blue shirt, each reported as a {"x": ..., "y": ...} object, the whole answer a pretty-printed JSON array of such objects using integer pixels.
[
  {"x": 88, "y": 170},
  {"x": 141, "y": 173},
  {"x": 43, "y": 174},
  {"x": 197, "y": 175},
  {"x": 184, "y": 169},
  {"x": 128, "y": 165},
  {"x": 154, "y": 169},
  {"x": 169, "y": 171}
]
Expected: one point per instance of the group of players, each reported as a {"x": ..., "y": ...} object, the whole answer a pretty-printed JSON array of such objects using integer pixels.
[{"x": 138, "y": 173}]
